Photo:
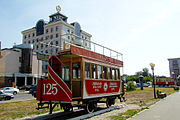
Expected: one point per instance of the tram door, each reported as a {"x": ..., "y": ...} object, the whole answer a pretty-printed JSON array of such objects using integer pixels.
[
  {"x": 75, "y": 84},
  {"x": 76, "y": 80}
]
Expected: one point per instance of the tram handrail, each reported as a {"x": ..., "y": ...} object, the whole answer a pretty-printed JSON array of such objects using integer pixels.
[{"x": 48, "y": 42}]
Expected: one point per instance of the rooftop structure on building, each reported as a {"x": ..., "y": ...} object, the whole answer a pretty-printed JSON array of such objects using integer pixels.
[{"x": 55, "y": 32}]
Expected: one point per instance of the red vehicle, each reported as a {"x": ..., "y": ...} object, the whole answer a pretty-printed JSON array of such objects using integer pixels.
[
  {"x": 164, "y": 81},
  {"x": 81, "y": 78}
]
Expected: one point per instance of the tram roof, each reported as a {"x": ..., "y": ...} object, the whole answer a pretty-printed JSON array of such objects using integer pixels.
[{"x": 75, "y": 50}]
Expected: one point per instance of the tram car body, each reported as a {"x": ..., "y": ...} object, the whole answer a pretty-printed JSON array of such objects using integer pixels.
[
  {"x": 78, "y": 74},
  {"x": 165, "y": 81}
]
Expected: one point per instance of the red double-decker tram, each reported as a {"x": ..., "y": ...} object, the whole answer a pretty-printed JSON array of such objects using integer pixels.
[{"x": 81, "y": 78}]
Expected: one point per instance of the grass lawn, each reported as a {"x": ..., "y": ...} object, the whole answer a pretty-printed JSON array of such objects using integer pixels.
[
  {"x": 20, "y": 109},
  {"x": 143, "y": 98}
]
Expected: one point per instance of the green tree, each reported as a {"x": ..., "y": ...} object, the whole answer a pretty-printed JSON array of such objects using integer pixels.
[{"x": 145, "y": 72}]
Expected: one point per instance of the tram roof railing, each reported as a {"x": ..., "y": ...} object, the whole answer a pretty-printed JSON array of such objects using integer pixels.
[{"x": 95, "y": 47}]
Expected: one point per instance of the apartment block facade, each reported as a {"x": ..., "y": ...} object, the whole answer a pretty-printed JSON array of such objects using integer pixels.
[
  {"x": 55, "y": 32},
  {"x": 174, "y": 67}
]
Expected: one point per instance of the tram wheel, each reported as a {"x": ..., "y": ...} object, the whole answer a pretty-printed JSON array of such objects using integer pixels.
[
  {"x": 66, "y": 108},
  {"x": 91, "y": 107},
  {"x": 108, "y": 103}
]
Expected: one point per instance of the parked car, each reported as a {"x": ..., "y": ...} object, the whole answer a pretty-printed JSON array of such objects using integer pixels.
[
  {"x": 138, "y": 85},
  {"x": 26, "y": 87},
  {"x": 6, "y": 96},
  {"x": 10, "y": 90},
  {"x": 34, "y": 89}
]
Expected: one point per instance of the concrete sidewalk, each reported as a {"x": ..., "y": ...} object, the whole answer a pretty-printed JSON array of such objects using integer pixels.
[{"x": 166, "y": 109}]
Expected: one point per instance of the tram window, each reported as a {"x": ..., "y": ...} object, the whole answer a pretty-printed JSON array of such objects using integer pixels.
[
  {"x": 93, "y": 69},
  {"x": 117, "y": 73},
  {"x": 99, "y": 69},
  {"x": 104, "y": 72},
  {"x": 87, "y": 70},
  {"x": 113, "y": 74},
  {"x": 109, "y": 73},
  {"x": 65, "y": 72},
  {"x": 76, "y": 71}
]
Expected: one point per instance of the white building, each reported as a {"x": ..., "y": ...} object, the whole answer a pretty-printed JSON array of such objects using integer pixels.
[{"x": 55, "y": 32}]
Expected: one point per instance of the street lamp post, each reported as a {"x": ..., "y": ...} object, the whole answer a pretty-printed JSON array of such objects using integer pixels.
[{"x": 152, "y": 68}]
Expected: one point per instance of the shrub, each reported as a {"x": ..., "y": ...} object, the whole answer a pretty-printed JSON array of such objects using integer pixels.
[{"x": 130, "y": 86}]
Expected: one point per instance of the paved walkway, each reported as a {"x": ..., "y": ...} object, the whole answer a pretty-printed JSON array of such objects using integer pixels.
[{"x": 167, "y": 109}]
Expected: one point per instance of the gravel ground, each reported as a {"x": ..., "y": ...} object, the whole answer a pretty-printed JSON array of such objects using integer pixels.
[{"x": 124, "y": 108}]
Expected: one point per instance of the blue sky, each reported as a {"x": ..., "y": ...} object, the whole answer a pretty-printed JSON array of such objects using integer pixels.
[{"x": 143, "y": 30}]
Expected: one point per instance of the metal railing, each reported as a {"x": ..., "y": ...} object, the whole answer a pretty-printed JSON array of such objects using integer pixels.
[{"x": 83, "y": 43}]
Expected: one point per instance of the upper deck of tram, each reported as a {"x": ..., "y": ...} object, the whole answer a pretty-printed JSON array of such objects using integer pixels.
[
  {"x": 94, "y": 51},
  {"x": 90, "y": 55}
]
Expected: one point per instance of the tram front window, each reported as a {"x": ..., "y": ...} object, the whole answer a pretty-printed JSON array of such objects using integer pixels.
[
  {"x": 104, "y": 72},
  {"x": 87, "y": 70},
  {"x": 113, "y": 74},
  {"x": 93, "y": 69},
  {"x": 76, "y": 71},
  {"x": 99, "y": 71},
  {"x": 109, "y": 73},
  {"x": 118, "y": 75},
  {"x": 65, "y": 72}
]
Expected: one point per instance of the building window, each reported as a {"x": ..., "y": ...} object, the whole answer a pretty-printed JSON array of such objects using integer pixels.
[
  {"x": 25, "y": 37},
  {"x": 29, "y": 36},
  {"x": 46, "y": 46},
  {"x": 41, "y": 51},
  {"x": 33, "y": 34},
  {"x": 37, "y": 47},
  {"x": 33, "y": 41},
  {"x": 57, "y": 35},
  {"x": 37, "y": 40},
  {"x": 51, "y": 37},
  {"x": 46, "y": 51},
  {"x": 29, "y": 42},
  {"x": 42, "y": 46},
  {"x": 51, "y": 29},
  {"x": 47, "y": 37},
  {"x": 20, "y": 59},
  {"x": 57, "y": 28},
  {"x": 56, "y": 49},
  {"x": 57, "y": 43},
  {"x": 47, "y": 31},
  {"x": 42, "y": 39},
  {"x": 68, "y": 31}
]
